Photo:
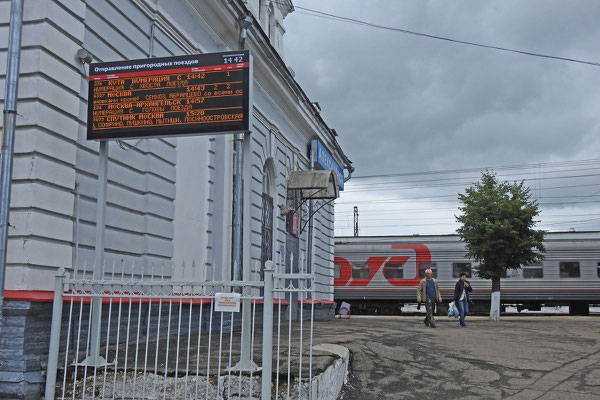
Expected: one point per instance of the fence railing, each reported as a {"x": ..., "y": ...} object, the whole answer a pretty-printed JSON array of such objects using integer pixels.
[{"x": 148, "y": 338}]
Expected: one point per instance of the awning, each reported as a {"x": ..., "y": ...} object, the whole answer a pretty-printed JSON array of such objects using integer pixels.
[{"x": 319, "y": 184}]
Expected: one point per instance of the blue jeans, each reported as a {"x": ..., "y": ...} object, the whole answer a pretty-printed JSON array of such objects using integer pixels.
[{"x": 463, "y": 308}]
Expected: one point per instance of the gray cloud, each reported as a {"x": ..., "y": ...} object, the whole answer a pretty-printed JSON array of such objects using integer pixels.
[{"x": 403, "y": 103}]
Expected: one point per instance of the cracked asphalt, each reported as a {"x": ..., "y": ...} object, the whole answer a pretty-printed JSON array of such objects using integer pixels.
[{"x": 518, "y": 357}]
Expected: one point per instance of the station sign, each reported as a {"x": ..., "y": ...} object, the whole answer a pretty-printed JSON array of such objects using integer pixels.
[
  {"x": 202, "y": 94},
  {"x": 324, "y": 160}
]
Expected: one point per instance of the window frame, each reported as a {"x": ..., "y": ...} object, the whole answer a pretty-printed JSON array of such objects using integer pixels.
[
  {"x": 561, "y": 274},
  {"x": 422, "y": 266},
  {"x": 535, "y": 266},
  {"x": 456, "y": 274},
  {"x": 337, "y": 270},
  {"x": 364, "y": 266},
  {"x": 397, "y": 267}
]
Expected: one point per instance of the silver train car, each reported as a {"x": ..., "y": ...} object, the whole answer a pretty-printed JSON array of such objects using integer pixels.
[{"x": 379, "y": 274}]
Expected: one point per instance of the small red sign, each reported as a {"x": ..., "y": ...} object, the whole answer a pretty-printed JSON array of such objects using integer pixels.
[{"x": 295, "y": 224}]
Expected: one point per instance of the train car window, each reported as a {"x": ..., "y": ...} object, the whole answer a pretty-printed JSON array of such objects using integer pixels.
[
  {"x": 458, "y": 268},
  {"x": 361, "y": 271},
  {"x": 337, "y": 270},
  {"x": 569, "y": 269},
  {"x": 423, "y": 266},
  {"x": 533, "y": 270},
  {"x": 598, "y": 269},
  {"x": 393, "y": 271},
  {"x": 512, "y": 273}
]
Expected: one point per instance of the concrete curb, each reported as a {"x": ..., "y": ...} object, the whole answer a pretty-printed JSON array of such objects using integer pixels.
[{"x": 327, "y": 385}]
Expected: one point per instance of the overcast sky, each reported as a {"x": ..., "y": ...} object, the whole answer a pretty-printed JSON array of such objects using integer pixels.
[{"x": 404, "y": 104}]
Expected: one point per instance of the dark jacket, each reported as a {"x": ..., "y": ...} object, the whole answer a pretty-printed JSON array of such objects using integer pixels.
[{"x": 460, "y": 285}]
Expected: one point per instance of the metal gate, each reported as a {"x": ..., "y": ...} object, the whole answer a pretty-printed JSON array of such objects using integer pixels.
[{"x": 136, "y": 336}]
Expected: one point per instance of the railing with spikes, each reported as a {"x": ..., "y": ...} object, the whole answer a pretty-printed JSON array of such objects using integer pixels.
[{"x": 160, "y": 335}]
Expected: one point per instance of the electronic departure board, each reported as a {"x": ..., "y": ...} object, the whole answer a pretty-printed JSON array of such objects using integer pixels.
[{"x": 174, "y": 96}]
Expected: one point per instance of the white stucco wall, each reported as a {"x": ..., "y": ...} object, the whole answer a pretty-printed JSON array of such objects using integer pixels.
[{"x": 169, "y": 200}]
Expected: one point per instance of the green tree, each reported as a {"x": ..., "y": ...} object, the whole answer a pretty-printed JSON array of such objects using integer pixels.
[{"x": 497, "y": 228}]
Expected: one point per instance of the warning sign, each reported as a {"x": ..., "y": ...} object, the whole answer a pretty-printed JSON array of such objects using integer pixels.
[{"x": 227, "y": 302}]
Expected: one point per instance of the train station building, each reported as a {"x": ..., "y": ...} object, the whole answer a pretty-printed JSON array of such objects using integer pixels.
[{"x": 169, "y": 200}]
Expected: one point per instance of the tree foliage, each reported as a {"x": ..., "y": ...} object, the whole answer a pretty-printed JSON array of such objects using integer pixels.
[{"x": 497, "y": 227}]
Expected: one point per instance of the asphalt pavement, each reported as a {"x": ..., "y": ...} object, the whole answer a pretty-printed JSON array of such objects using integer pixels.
[{"x": 518, "y": 357}]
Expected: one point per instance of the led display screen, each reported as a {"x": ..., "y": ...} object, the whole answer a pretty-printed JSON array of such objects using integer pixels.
[{"x": 188, "y": 95}]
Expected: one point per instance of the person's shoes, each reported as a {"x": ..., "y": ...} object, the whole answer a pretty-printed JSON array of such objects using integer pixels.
[
  {"x": 426, "y": 322},
  {"x": 432, "y": 325},
  {"x": 463, "y": 326}
]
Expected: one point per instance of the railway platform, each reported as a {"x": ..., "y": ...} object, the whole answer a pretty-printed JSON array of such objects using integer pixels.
[{"x": 518, "y": 357}]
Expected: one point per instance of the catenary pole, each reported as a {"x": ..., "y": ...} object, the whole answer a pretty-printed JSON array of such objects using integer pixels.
[{"x": 8, "y": 135}]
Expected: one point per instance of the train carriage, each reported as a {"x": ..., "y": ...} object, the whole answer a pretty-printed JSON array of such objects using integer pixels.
[{"x": 378, "y": 274}]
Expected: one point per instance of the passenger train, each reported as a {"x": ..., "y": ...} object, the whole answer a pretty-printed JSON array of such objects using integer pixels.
[{"x": 379, "y": 274}]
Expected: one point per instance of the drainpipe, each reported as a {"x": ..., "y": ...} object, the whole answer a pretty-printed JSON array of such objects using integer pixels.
[
  {"x": 350, "y": 169},
  {"x": 8, "y": 134}
]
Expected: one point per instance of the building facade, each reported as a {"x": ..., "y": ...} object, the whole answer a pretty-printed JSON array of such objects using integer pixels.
[{"x": 169, "y": 200}]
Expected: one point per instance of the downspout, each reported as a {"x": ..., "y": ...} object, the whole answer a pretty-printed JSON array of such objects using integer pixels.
[
  {"x": 8, "y": 135},
  {"x": 350, "y": 169}
]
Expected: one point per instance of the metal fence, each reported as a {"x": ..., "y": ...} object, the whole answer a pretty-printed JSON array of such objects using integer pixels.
[{"x": 149, "y": 336}]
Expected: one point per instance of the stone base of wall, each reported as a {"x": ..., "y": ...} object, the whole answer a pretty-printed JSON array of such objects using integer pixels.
[
  {"x": 322, "y": 311},
  {"x": 24, "y": 341}
]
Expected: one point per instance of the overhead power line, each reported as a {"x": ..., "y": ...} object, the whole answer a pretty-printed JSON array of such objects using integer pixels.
[
  {"x": 522, "y": 174},
  {"x": 322, "y": 14},
  {"x": 455, "y": 196},
  {"x": 593, "y": 161}
]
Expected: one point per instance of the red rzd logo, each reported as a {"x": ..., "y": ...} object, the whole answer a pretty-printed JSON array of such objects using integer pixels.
[{"x": 422, "y": 255}]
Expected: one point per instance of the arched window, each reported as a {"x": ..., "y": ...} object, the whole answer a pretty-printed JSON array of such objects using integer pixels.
[{"x": 266, "y": 252}]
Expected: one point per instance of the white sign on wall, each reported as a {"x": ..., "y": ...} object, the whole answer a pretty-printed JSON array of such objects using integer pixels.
[{"x": 227, "y": 302}]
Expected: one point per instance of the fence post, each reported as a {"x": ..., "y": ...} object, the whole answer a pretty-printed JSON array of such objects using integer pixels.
[
  {"x": 267, "y": 346},
  {"x": 57, "y": 306}
]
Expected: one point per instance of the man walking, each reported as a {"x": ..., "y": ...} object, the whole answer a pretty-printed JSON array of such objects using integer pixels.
[{"x": 429, "y": 293}]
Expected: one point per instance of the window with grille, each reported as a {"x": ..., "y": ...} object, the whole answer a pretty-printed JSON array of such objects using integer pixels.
[{"x": 267, "y": 229}]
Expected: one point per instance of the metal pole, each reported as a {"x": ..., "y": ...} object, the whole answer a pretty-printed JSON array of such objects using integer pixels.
[
  {"x": 238, "y": 204},
  {"x": 94, "y": 357},
  {"x": 57, "y": 306},
  {"x": 8, "y": 134},
  {"x": 355, "y": 221},
  {"x": 267, "y": 346},
  {"x": 244, "y": 23},
  {"x": 241, "y": 271},
  {"x": 309, "y": 258}
]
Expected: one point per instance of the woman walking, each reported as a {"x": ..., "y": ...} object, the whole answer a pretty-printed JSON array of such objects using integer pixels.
[{"x": 461, "y": 297}]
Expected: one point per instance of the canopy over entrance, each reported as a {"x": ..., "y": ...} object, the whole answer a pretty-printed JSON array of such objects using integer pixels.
[{"x": 319, "y": 184}]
